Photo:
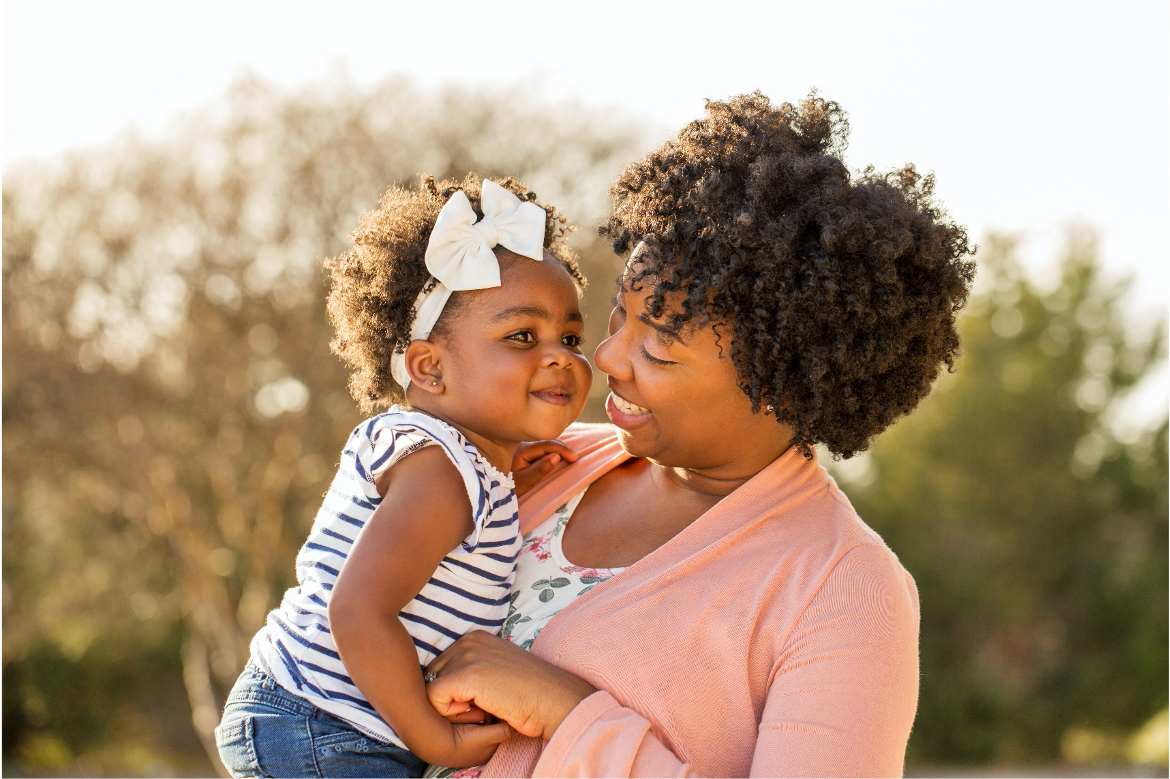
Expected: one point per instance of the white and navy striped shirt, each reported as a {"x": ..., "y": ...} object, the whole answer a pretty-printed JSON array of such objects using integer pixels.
[{"x": 468, "y": 591}]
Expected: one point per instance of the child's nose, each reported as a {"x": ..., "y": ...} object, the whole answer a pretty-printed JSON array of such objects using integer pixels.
[{"x": 557, "y": 356}]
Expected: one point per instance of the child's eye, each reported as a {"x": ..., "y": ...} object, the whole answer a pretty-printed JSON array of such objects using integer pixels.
[
  {"x": 524, "y": 337},
  {"x": 572, "y": 340}
]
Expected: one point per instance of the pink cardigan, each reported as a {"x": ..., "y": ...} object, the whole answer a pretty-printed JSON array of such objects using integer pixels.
[{"x": 775, "y": 636}]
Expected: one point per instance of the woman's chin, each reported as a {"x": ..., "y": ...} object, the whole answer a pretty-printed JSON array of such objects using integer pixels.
[{"x": 634, "y": 442}]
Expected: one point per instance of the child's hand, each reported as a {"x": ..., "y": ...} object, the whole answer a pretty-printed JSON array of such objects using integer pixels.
[
  {"x": 470, "y": 745},
  {"x": 534, "y": 460}
]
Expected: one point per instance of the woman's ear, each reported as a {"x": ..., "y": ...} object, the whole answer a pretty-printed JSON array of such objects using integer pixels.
[{"x": 423, "y": 365}]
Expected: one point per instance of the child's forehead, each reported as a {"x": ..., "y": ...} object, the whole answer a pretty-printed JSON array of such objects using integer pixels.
[{"x": 543, "y": 289}]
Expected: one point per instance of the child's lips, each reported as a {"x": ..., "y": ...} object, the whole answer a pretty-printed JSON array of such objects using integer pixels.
[{"x": 557, "y": 396}]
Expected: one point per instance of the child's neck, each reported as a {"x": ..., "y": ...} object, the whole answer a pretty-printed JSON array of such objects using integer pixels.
[{"x": 499, "y": 454}]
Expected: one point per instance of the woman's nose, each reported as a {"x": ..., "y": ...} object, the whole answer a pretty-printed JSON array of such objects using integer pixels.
[{"x": 610, "y": 357}]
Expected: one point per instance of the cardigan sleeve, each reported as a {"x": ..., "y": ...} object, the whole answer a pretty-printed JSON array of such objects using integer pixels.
[{"x": 840, "y": 702}]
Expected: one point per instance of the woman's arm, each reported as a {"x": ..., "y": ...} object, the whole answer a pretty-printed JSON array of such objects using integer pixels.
[
  {"x": 840, "y": 701},
  {"x": 424, "y": 514}
]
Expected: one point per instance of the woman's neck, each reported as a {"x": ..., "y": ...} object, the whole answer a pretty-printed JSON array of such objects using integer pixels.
[{"x": 717, "y": 482}]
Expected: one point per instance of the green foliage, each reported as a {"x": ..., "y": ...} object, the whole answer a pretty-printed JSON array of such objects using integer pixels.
[
  {"x": 1036, "y": 533},
  {"x": 64, "y": 713}
]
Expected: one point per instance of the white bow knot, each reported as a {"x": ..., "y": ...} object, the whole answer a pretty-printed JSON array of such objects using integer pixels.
[{"x": 459, "y": 253}]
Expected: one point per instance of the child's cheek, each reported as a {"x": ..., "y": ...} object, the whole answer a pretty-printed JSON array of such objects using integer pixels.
[{"x": 585, "y": 375}]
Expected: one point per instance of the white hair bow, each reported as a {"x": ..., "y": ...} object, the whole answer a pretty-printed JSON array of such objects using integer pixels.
[{"x": 459, "y": 253}]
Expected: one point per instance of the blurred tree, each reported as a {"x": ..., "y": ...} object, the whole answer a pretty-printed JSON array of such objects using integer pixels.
[
  {"x": 1034, "y": 521},
  {"x": 172, "y": 413},
  {"x": 172, "y": 416}
]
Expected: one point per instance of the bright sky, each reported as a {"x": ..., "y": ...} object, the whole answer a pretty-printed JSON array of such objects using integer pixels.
[{"x": 1031, "y": 114}]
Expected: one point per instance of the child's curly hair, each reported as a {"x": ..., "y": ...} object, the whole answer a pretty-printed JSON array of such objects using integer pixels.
[
  {"x": 375, "y": 284},
  {"x": 840, "y": 290}
]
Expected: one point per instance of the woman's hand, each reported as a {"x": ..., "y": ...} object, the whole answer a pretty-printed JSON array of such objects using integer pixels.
[
  {"x": 535, "y": 460},
  {"x": 482, "y": 671}
]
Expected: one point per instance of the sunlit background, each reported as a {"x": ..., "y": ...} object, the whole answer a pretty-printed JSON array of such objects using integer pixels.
[{"x": 174, "y": 173}]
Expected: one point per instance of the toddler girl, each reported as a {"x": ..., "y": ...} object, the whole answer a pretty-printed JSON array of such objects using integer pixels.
[{"x": 461, "y": 306}]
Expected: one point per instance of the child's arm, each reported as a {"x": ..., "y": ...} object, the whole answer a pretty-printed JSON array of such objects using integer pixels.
[{"x": 424, "y": 514}]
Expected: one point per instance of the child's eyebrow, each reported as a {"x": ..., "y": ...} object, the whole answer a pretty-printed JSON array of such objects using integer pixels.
[{"x": 538, "y": 312}]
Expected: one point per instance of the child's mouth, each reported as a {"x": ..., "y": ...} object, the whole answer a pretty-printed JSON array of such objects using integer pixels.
[{"x": 557, "y": 396}]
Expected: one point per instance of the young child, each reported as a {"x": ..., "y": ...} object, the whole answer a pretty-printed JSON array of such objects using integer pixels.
[{"x": 464, "y": 306}]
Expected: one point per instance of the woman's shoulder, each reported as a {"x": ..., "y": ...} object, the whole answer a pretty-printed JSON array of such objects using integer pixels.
[
  {"x": 813, "y": 540},
  {"x": 866, "y": 546},
  {"x": 860, "y": 568}
]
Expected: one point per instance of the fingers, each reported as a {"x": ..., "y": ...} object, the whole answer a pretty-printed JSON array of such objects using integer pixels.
[
  {"x": 474, "y": 736},
  {"x": 459, "y": 708},
  {"x": 449, "y": 699},
  {"x": 531, "y": 451},
  {"x": 525, "y": 479},
  {"x": 557, "y": 446},
  {"x": 545, "y": 464},
  {"x": 436, "y": 666},
  {"x": 472, "y": 716}
]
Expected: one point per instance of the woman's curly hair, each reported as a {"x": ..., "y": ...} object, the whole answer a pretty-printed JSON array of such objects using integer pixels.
[
  {"x": 840, "y": 290},
  {"x": 374, "y": 284}
]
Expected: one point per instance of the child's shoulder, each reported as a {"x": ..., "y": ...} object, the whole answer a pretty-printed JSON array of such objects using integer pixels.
[
  {"x": 388, "y": 437},
  {"x": 397, "y": 421}
]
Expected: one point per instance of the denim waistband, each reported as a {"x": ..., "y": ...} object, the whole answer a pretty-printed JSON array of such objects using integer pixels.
[{"x": 254, "y": 685}]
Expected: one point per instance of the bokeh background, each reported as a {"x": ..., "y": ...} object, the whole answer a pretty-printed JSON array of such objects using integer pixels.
[{"x": 175, "y": 173}]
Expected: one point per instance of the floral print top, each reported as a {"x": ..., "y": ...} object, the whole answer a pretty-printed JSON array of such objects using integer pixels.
[{"x": 545, "y": 583}]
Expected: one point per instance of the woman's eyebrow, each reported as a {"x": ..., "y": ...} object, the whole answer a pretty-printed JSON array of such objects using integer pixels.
[
  {"x": 669, "y": 334},
  {"x": 538, "y": 312}
]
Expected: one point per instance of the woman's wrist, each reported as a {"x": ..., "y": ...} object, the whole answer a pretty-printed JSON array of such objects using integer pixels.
[{"x": 570, "y": 692}]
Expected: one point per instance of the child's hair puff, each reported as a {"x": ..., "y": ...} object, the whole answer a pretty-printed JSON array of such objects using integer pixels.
[
  {"x": 374, "y": 284},
  {"x": 840, "y": 290}
]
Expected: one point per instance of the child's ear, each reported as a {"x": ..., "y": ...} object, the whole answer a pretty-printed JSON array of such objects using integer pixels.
[{"x": 422, "y": 363}]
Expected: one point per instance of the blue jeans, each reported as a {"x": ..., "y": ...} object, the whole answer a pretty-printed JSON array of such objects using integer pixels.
[{"x": 268, "y": 731}]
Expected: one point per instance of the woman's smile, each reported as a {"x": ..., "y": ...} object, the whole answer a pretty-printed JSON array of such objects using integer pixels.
[{"x": 625, "y": 414}]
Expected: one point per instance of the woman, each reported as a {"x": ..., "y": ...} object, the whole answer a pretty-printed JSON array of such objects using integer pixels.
[{"x": 719, "y": 607}]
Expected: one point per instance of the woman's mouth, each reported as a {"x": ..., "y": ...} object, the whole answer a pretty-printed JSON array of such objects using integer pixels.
[{"x": 625, "y": 414}]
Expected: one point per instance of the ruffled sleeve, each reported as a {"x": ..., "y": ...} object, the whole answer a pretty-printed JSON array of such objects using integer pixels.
[{"x": 380, "y": 442}]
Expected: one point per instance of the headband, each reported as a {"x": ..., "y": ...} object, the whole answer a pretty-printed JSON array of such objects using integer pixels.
[{"x": 459, "y": 254}]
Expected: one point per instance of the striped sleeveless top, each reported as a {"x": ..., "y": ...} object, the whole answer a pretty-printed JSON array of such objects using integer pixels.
[{"x": 468, "y": 591}]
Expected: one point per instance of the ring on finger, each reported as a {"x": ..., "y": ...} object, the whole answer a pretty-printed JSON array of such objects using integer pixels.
[{"x": 430, "y": 676}]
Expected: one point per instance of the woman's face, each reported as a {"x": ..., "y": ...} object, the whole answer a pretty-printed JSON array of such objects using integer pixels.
[{"x": 674, "y": 396}]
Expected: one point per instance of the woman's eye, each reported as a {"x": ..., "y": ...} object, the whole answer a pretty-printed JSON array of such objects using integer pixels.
[
  {"x": 651, "y": 358},
  {"x": 524, "y": 337},
  {"x": 572, "y": 340}
]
